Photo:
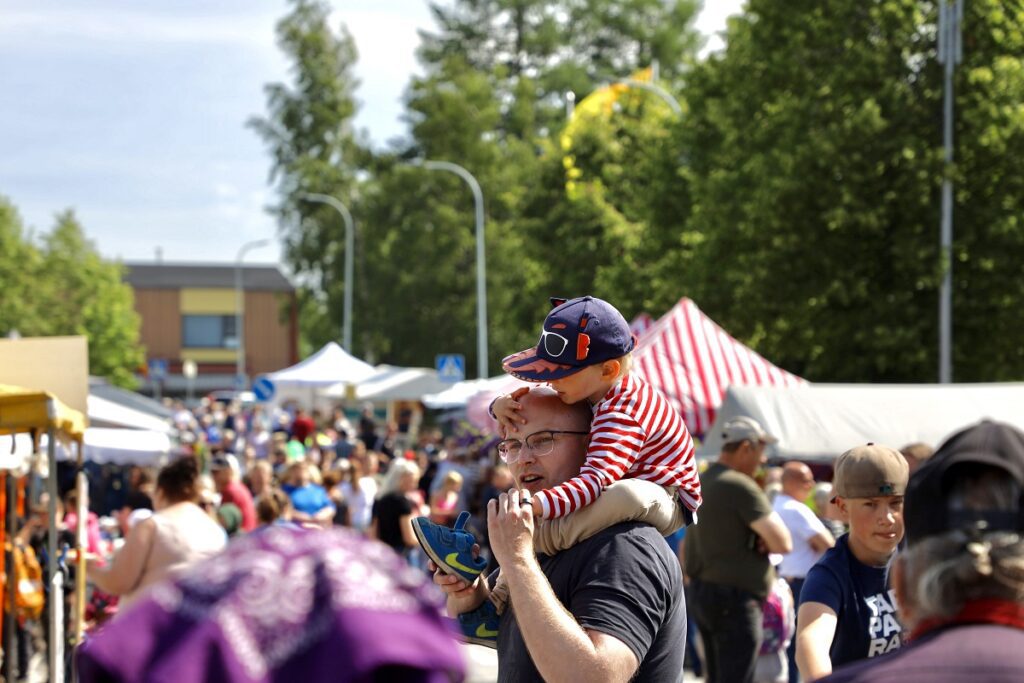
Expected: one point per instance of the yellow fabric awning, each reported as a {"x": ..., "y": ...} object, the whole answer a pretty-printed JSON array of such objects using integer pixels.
[{"x": 22, "y": 410}]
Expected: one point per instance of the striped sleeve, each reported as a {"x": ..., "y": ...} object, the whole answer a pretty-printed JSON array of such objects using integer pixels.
[{"x": 615, "y": 443}]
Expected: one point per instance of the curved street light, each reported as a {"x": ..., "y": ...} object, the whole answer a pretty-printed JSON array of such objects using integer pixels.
[
  {"x": 665, "y": 95},
  {"x": 481, "y": 266},
  {"x": 346, "y": 322}
]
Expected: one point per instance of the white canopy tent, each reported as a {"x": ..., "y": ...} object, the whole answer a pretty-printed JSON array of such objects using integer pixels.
[
  {"x": 392, "y": 383},
  {"x": 817, "y": 422},
  {"x": 105, "y": 413},
  {"x": 327, "y": 367},
  {"x": 457, "y": 395},
  {"x": 100, "y": 445}
]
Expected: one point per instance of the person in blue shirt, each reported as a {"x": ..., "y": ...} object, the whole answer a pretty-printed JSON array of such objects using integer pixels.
[
  {"x": 847, "y": 612},
  {"x": 310, "y": 502}
]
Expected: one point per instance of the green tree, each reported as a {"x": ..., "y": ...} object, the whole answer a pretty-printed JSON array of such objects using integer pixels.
[
  {"x": 811, "y": 147},
  {"x": 309, "y": 133},
  {"x": 83, "y": 294},
  {"x": 814, "y": 150},
  {"x": 19, "y": 275},
  {"x": 62, "y": 286},
  {"x": 989, "y": 202},
  {"x": 561, "y": 46}
]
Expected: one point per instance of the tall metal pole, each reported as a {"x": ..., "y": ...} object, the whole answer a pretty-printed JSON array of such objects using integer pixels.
[
  {"x": 350, "y": 245},
  {"x": 481, "y": 266},
  {"x": 55, "y": 614},
  {"x": 950, "y": 53},
  {"x": 240, "y": 378}
]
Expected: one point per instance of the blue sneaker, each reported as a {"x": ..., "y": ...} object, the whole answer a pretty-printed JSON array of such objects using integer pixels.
[
  {"x": 481, "y": 625},
  {"x": 450, "y": 549}
]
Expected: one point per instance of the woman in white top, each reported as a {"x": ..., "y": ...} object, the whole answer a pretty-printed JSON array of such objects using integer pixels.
[
  {"x": 178, "y": 534},
  {"x": 359, "y": 488}
]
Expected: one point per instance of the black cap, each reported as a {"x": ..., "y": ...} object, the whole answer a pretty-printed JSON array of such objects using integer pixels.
[{"x": 988, "y": 444}]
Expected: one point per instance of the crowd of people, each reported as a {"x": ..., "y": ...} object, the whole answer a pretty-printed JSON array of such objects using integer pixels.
[{"x": 586, "y": 543}]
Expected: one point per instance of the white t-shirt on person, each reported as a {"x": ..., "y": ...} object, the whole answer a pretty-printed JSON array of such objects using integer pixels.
[{"x": 803, "y": 526}]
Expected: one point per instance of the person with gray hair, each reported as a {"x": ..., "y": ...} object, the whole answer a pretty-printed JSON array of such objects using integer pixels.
[
  {"x": 959, "y": 584},
  {"x": 391, "y": 519}
]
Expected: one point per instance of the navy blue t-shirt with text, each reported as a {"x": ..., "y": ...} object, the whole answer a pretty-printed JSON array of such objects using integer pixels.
[{"x": 865, "y": 608}]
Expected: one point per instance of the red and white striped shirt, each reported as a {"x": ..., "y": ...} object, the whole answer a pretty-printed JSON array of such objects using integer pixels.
[{"x": 635, "y": 433}]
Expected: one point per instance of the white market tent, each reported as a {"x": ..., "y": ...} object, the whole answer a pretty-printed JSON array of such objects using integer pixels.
[
  {"x": 392, "y": 383},
  {"x": 327, "y": 367},
  {"x": 99, "y": 445},
  {"x": 117, "y": 434},
  {"x": 457, "y": 395},
  {"x": 105, "y": 413},
  {"x": 817, "y": 422}
]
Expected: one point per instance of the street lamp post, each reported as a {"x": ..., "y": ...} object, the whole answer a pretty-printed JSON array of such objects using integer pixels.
[
  {"x": 240, "y": 377},
  {"x": 951, "y": 13},
  {"x": 346, "y": 323},
  {"x": 481, "y": 266}
]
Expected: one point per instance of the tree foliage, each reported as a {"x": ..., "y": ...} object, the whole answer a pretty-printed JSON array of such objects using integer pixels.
[
  {"x": 314, "y": 149},
  {"x": 815, "y": 161},
  {"x": 796, "y": 198},
  {"x": 62, "y": 286}
]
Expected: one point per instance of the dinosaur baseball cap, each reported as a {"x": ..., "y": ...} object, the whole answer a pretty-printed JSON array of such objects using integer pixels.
[
  {"x": 988, "y": 445},
  {"x": 870, "y": 471},
  {"x": 577, "y": 333}
]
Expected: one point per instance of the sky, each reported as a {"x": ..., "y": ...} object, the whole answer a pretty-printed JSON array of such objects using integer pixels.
[{"x": 133, "y": 114}]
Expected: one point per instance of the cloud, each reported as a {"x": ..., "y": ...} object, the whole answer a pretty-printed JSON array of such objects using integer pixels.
[{"x": 128, "y": 26}]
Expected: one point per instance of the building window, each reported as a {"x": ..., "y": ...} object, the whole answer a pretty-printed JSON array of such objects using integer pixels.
[{"x": 208, "y": 331}]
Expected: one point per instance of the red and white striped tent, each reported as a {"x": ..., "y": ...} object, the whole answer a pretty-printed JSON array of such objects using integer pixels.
[
  {"x": 692, "y": 360},
  {"x": 641, "y": 324}
]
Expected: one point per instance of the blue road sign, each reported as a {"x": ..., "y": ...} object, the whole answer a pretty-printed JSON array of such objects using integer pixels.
[
  {"x": 451, "y": 367},
  {"x": 263, "y": 389},
  {"x": 157, "y": 369}
]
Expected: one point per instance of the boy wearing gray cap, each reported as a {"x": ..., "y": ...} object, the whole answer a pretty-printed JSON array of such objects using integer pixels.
[{"x": 847, "y": 612}]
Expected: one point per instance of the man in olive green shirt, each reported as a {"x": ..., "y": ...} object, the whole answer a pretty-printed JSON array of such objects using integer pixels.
[{"x": 727, "y": 554}]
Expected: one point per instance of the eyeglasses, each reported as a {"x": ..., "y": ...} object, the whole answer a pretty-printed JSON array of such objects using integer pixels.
[
  {"x": 541, "y": 443},
  {"x": 554, "y": 343}
]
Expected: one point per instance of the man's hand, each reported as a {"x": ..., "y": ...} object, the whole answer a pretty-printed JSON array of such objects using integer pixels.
[
  {"x": 510, "y": 527},
  {"x": 506, "y": 410},
  {"x": 462, "y": 596}
]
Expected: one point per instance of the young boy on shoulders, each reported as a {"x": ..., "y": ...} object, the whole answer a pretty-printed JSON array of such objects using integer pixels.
[{"x": 640, "y": 463}]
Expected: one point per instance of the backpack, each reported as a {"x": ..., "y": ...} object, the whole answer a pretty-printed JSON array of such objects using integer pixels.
[
  {"x": 777, "y": 619},
  {"x": 28, "y": 576}
]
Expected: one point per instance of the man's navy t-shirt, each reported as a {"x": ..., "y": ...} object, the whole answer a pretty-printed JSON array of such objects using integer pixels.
[
  {"x": 624, "y": 582},
  {"x": 866, "y": 623}
]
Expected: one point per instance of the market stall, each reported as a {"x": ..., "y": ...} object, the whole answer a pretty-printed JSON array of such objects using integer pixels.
[
  {"x": 817, "y": 422},
  {"x": 34, "y": 412}
]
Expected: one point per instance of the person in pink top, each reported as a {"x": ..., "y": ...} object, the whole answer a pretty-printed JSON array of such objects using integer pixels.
[
  {"x": 444, "y": 501},
  {"x": 224, "y": 469}
]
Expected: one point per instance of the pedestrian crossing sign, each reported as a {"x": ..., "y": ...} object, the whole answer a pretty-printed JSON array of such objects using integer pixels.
[{"x": 451, "y": 367}]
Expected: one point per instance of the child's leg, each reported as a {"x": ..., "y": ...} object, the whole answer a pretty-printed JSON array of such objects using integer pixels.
[
  {"x": 627, "y": 500},
  {"x": 499, "y": 593}
]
